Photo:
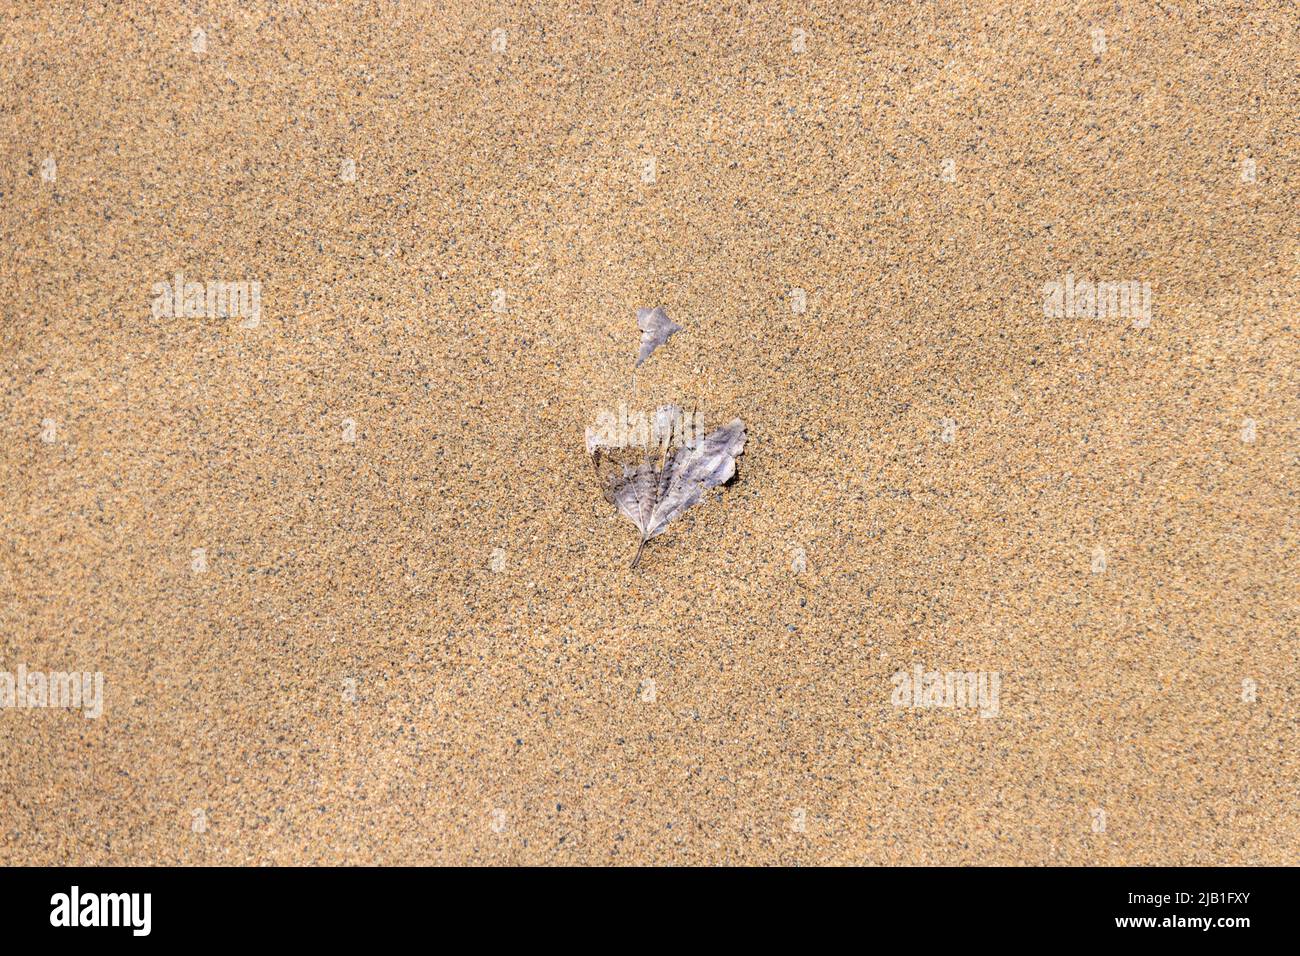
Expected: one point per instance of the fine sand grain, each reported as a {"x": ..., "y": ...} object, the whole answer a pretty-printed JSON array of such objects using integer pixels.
[{"x": 411, "y": 633}]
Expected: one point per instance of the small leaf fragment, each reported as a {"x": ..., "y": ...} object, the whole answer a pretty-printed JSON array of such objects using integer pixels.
[{"x": 656, "y": 328}]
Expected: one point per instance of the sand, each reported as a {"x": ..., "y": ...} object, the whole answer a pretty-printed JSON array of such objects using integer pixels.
[{"x": 345, "y": 571}]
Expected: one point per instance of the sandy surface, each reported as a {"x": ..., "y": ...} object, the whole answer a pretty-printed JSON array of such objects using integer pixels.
[{"x": 348, "y": 675}]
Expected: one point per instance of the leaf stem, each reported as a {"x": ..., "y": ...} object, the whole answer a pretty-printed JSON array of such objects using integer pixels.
[{"x": 640, "y": 548}]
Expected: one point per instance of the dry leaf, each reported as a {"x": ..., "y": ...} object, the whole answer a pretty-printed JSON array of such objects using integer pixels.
[
  {"x": 662, "y": 486},
  {"x": 655, "y": 328}
]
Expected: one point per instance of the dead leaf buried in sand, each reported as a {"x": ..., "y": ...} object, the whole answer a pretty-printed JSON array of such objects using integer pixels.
[
  {"x": 665, "y": 483},
  {"x": 656, "y": 328}
]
